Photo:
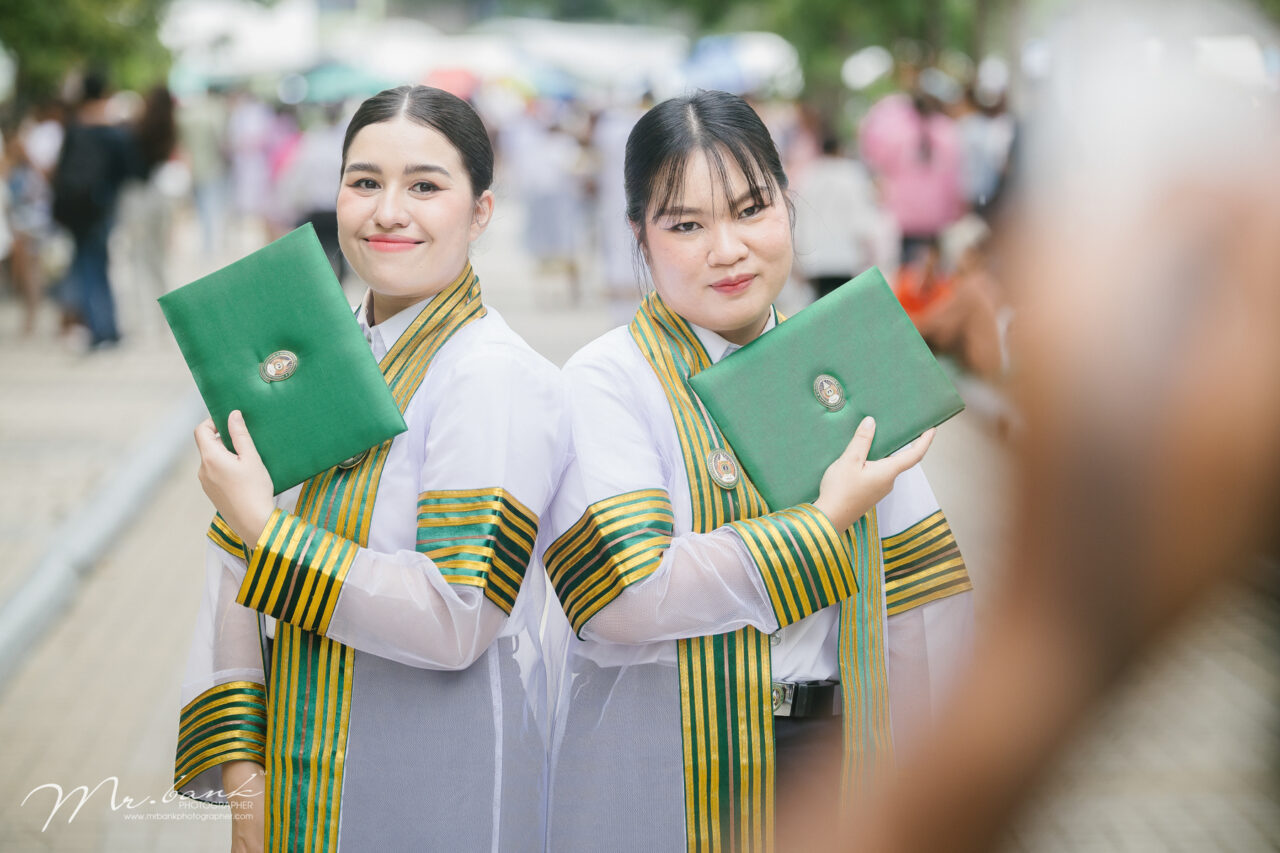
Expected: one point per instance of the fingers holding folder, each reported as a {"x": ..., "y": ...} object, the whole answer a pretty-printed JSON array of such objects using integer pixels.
[
  {"x": 237, "y": 483},
  {"x": 851, "y": 485}
]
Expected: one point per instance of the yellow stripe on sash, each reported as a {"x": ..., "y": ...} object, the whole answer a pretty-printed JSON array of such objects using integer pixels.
[{"x": 725, "y": 680}]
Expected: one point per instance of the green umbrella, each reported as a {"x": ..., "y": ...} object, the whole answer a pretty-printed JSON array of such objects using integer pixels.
[{"x": 332, "y": 82}]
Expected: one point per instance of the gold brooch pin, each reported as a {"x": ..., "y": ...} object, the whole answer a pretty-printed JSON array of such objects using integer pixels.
[{"x": 723, "y": 468}]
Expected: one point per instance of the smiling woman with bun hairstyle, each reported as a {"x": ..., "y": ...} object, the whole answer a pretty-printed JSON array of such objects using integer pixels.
[{"x": 367, "y": 671}]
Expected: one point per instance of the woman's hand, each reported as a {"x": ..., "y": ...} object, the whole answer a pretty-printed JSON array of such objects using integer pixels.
[
  {"x": 851, "y": 485},
  {"x": 245, "y": 786},
  {"x": 237, "y": 483}
]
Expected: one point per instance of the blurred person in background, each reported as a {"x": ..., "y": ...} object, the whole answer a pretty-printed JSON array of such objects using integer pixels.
[
  {"x": 668, "y": 564},
  {"x": 308, "y": 183},
  {"x": 986, "y": 135},
  {"x": 280, "y": 213},
  {"x": 615, "y": 241},
  {"x": 146, "y": 208},
  {"x": 96, "y": 158},
  {"x": 914, "y": 153},
  {"x": 41, "y": 131},
  {"x": 551, "y": 169},
  {"x": 1145, "y": 268},
  {"x": 954, "y": 300},
  {"x": 202, "y": 132},
  {"x": 250, "y": 134},
  {"x": 840, "y": 229},
  {"x": 31, "y": 222},
  {"x": 403, "y": 677}
]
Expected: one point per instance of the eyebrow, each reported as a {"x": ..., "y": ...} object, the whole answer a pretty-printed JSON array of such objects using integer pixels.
[
  {"x": 748, "y": 195},
  {"x": 418, "y": 169}
]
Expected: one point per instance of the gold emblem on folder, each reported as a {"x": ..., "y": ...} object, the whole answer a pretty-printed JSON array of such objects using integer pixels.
[
  {"x": 278, "y": 366},
  {"x": 829, "y": 391},
  {"x": 723, "y": 468}
]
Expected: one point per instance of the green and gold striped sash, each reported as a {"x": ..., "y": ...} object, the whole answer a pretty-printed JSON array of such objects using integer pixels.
[
  {"x": 295, "y": 574},
  {"x": 864, "y": 686},
  {"x": 725, "y": 680}
]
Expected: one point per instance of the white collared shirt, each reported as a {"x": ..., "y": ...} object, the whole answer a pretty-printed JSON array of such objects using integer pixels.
[
  {"x": 383, "y": 336},
  {"x": 718, "y": 347}
]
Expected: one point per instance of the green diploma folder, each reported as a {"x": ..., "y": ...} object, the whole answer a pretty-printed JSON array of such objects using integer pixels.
[
  {"x": 273, "y": 336},
  {"x": 789, "y": 401}
]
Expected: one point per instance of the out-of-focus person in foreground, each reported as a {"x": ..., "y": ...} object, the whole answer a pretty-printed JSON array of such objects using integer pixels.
[{"x": 1148, "y": 275}]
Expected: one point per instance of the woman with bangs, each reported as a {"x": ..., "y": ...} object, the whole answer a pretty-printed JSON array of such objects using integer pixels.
[
  {"x": 394, "y": 698},
  {"x": 687, "y": 704}
]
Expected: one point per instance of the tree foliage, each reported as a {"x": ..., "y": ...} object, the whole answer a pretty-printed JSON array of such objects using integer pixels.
[
  {"x": 49, "y": 38},
  {"x": 825, "y": 32}
]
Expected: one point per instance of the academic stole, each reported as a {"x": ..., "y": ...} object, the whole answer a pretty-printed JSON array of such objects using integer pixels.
[
  {"x": 310, "y": 683},
  {"x": 725, "y": 680}
]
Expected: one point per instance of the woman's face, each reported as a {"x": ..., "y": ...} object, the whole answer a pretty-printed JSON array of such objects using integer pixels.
[
  {"x": 717, "y": 258},
  {"x": 406, "y": 214}
]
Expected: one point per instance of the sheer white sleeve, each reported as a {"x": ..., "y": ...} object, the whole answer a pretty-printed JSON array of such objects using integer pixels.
[
  {"x": 492, "y": 441},
  {"x": 223, "y": 697},
  {"x": 706, "y": 584},
  {"x": 620, "y": 572}
]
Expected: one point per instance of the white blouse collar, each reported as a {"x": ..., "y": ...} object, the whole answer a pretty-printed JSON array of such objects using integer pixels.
[
  {"x": 389, "y": 330},
  {"x": 717, "y": 347}
]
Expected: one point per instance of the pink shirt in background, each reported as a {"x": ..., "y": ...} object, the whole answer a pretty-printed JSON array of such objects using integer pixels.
[{"x": 923, "y": 194}]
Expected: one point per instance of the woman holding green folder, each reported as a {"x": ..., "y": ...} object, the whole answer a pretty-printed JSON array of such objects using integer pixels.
[
  {"x": 713, "y": 636},
  {"x": 395, "y": 697}
]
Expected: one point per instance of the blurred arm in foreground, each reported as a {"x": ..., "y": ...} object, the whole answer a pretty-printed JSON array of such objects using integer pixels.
[{"x": 1149, "y": 378}]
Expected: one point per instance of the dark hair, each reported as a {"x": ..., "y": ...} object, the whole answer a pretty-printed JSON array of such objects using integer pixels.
[
  {"x": 447, "y": 114},
  {"x": 156, "y": 131},
  {"x": 94, "y": 85},
  {"x": 716, "y": 123}
]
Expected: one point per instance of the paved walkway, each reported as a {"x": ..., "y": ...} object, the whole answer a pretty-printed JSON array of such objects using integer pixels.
[
  {"x": 1184, "y": 758},
  {"x": 1182, "y": 755}
]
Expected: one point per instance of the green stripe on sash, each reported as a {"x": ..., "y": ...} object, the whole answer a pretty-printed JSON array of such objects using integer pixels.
[{"x": 864, "y": 689}]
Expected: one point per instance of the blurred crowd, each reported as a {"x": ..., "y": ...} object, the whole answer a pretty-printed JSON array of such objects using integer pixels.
[
  {"x": 910, "y": 185},
  {"x": 79, "y": 178}
]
